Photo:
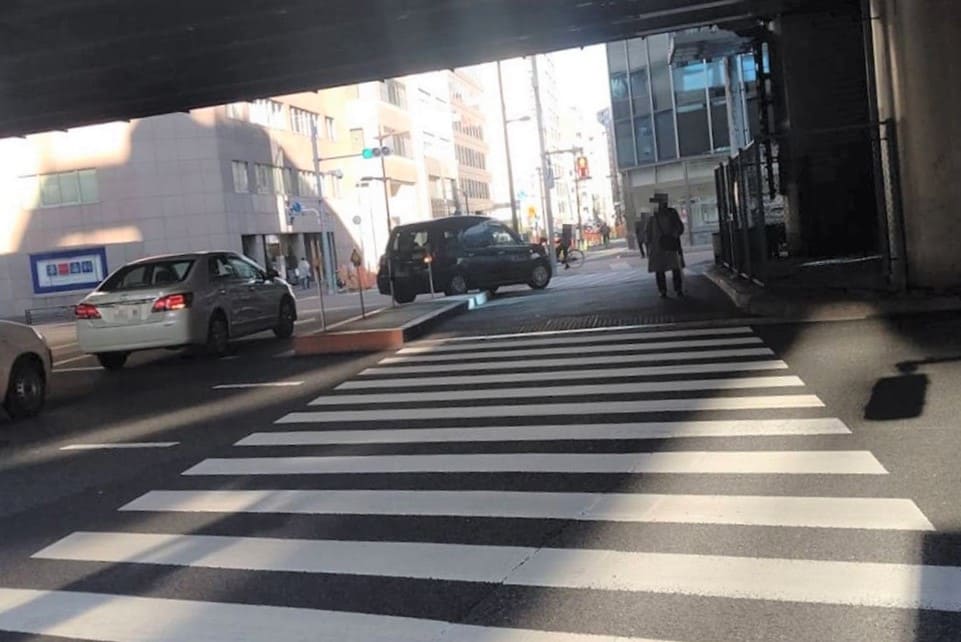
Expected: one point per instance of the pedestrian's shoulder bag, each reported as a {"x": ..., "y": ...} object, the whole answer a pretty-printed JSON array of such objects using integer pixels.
[{"x": 666, "y": 242}]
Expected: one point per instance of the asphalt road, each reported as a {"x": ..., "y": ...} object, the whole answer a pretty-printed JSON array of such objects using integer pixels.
[{"x": 587, "y": 482}]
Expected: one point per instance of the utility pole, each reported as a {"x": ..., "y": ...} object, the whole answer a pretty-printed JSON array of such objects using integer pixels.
[
  {"x": 507, "y": 150},
  {"x": 329, "y": 275},
  {"x": 545, "y": 164},
  {"x": 383, "y": 173}
]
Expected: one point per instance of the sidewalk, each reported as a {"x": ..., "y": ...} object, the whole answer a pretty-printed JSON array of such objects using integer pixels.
[{"x": 815, "y": 299}]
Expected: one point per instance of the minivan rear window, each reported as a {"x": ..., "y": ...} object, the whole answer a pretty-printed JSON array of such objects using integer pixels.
[
  {"x": 409, "y": 241},
  {"x": 148, "y": 275}
]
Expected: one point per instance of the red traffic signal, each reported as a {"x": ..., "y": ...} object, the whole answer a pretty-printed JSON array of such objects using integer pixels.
[{"x": 581, "y": 168}]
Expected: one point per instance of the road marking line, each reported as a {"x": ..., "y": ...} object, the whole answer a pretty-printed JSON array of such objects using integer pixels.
[
  {"x": 562, "y": 375},
  {"x": 230, "y": 357},
  {"x": 262, "y": 384},
  {"x": 572, "y": 432},
  {"x": 886, "y": 585},
  {"x": 72, "y": 359},
  {"x": 123, "y": 618},
  {"x": 284, "y": 354},
  {"x": 662, "y": 346},
  {"x": 695, "y": 404},
  {"x": 81, "y": 369},
  {"x": 572, "y": 362},
  {"x": 566, "y": 341},
  {"x": 120, "y": 445},
  {"x": 64, "y": 345},
  {"x": 304, "y": 321},
  {"x": 765, "y": 462},
  {"x": 797, "y": 512},
  {"x": 678, "y": 385}
]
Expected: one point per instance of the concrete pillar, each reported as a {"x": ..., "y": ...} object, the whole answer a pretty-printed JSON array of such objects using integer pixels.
[{"x": 917, "y": 47}]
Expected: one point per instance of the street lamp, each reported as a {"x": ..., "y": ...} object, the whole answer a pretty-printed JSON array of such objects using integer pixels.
[
  {"x": 383, "y": 171},
  {"x": 507, "y": 146}
]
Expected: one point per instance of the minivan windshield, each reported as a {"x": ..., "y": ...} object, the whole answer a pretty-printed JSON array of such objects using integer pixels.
[
  {"x": 148, "y": 275},
  {"x": 407, "y": 241}
]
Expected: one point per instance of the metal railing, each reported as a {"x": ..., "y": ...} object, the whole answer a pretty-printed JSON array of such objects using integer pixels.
[
  {"x": 752, "y": 226},
  {"x": 48, "y": 314}
]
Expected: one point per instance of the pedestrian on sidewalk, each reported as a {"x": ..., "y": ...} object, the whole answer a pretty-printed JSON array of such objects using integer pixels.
[
  {"x": 640, "y": 233},
  {"x": 305, "y": 272},
  {"x": 663, "y": 237},
  {"x": 606, "y": 234}
]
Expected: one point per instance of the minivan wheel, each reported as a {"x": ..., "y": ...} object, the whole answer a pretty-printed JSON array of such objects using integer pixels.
[
  {"x": 218, "y": 335},
  {"x": 404, "y": 295},
  {"x": 285, "y": 320},
  {"x": 27, "y": 389},
  {"x": 456, "y": 285},
  {"x": 540, "y": 277},
  {"x": 112, "y": 360}
]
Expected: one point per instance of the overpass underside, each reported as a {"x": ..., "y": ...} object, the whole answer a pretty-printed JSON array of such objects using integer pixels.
[{"x": 66, "y": 63}]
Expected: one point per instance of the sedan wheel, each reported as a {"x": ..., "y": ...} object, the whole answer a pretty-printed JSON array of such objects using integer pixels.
[
  {"x": 540, "y": 277},
  {"x": 285, "y": 321},
  {"x": 457, "y": 285},
  {"x": 27, "y": 390},
  {"x": 218, "y": 336},
  {"x": 112, "y": 360}
]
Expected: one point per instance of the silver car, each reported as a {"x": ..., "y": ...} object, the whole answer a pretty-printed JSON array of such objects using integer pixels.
[
  {"x": 197, "y": 299},
  {"x": 25, "y": 363}
]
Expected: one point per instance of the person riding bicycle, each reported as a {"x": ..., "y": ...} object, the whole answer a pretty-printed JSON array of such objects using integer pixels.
[{"x": 564, "y": 243}]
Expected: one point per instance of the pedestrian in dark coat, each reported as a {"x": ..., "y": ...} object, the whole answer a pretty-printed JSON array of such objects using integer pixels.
[{"x": 663, "y": 238}]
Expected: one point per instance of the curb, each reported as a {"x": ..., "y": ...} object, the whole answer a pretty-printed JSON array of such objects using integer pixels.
[
  {"x": 755, "y": 301},
  {"x": 381, "y": 339}
]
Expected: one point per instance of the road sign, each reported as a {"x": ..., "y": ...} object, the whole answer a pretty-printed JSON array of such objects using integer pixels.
[
  {"x": 356, "y": 258},
  {"x": 296, "y": 207},
  {"x": 357, "y": 220}
]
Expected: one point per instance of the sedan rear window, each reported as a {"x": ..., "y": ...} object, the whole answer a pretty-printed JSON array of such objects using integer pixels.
[{"x": 148, "y": 275}]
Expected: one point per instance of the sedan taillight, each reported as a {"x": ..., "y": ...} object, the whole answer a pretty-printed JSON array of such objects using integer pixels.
[
  {"x": 86, "y": 311},
  {"x": 173, "y": 302}
]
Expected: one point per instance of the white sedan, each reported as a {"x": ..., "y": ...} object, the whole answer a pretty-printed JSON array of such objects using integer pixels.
[{"x": 25, "y": 365}]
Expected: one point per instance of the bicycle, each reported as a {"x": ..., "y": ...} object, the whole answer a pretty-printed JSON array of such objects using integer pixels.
[{"x": 575, "y": 258}]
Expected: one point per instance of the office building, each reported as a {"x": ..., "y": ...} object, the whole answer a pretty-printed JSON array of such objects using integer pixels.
[{"x": 675, "y": 115}]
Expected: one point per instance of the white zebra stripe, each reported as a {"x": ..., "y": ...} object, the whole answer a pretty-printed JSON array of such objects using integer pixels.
[
  {"x": 764, "y": 462},
  {"x": 810, "y": 512}
]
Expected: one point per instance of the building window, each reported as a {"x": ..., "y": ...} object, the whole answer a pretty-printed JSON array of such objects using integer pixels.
[
  {"x": 307, "y": 183},
  {"x": 264, "y": 176},
  {"x": 329, "y": 128},
  {"x": 236, "y": 110},
  {"x": 664, "y": 128},
  {"x": 718, "y": 97},
  {"x": 57, "y": 190},
  {"x": 690, "y": 89},
  {"x": 624, "y": 143},
  {"x": 644, "y": 139},
  {"x": 241, "y": 182},
  {"x": 356, "y": 140},
  {"x": 332, "y": 186},
  {"x": 394, "y": 92},
  {"x": 268, "y": 113},
  {"x": 399, "y": 143},
  {"x": 301, "y": 120},
  {"x": 284, "y": 180}
]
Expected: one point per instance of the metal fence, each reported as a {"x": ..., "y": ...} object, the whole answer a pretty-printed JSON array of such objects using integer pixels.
[
  {"x": 753, "y": 235},
  {"x": 750, "y": 213}
]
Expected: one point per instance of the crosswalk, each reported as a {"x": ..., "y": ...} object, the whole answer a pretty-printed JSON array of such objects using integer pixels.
[
  {"x": 619, "y": 277},
  {"x": 544, "y": 487}
]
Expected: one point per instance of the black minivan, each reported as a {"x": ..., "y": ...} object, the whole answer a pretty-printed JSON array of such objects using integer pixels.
[{"x": 462, "y": 253}]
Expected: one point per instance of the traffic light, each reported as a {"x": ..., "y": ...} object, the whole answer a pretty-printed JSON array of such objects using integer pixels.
[
  {"x": 375, "y": 152},
  {"x": 582, "y": 169}
]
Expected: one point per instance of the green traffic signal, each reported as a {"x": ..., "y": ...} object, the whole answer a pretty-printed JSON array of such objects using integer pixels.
[{"x": 367, "y": 153}]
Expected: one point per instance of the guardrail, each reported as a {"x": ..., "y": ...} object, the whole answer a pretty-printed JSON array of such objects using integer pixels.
[{"x": 50, "y": 313}]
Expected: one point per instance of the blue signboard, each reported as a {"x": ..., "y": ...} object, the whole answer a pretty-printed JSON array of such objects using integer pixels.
[{"x": 68, "y": 270}]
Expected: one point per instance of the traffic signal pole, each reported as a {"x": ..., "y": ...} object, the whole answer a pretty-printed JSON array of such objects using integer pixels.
[
  {"x": 329, "y": 276},
  {"x": 545, "y": 164}
]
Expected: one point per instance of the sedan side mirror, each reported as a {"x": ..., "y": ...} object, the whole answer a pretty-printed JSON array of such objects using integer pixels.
[{"x": 272, "y": 274}]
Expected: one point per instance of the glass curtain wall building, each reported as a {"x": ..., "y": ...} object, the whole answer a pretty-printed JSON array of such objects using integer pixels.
[{"x": 674, "y": 120}]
